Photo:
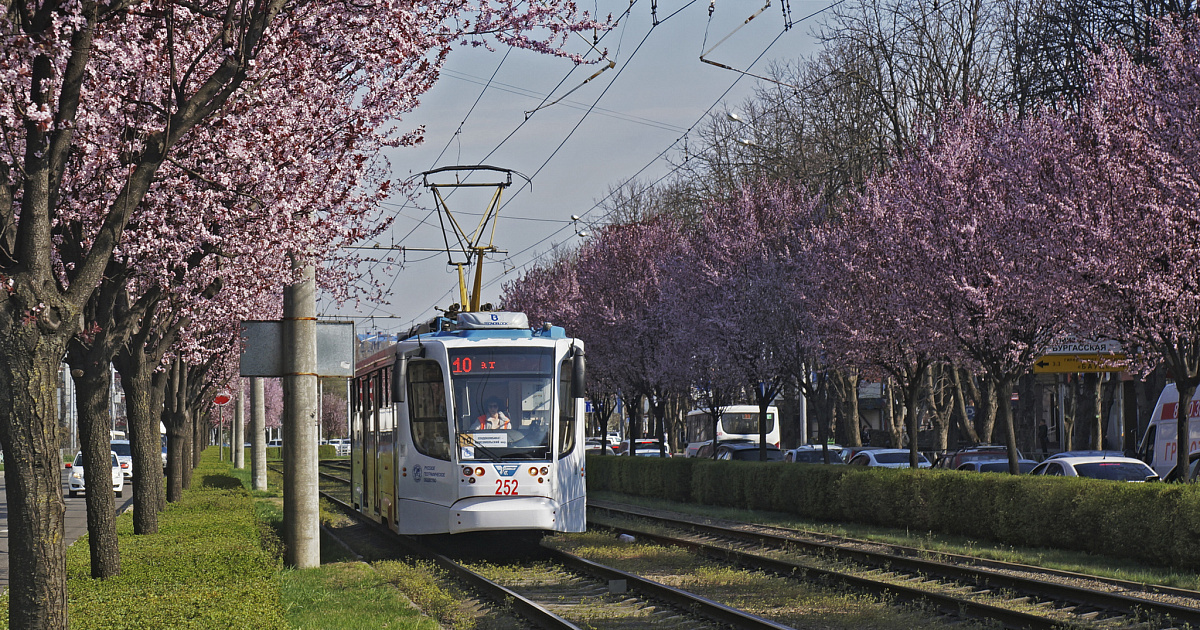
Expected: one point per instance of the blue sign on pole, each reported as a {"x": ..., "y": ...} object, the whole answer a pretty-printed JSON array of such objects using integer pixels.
[{"x": 588, "y": 406}]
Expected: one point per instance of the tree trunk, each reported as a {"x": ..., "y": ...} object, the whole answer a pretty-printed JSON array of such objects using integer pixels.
[
  {"x": 33, "y": 467},
  {"x": 985, "y": 410},
  {"x": 894, "y": 416},
  {"x": 1003, "y": 400},
  {"x": 146, "y": 445},
  {"x": 848, "y": 388},
  {"x": 93, "y": 396},
  {"x": 1091, "y": 391},
  {"x": 144, "y": 394},
  {"x": 1187, "y": 389},
  {"x": 960, "y": 403},
  {"x": 941, "y": 403}
]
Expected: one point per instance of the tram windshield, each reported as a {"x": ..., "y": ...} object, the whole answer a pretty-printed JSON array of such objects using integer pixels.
[{"x": 502, "y": 402}]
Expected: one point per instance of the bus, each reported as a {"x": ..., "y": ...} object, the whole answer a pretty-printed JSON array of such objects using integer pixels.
[{"x": 739, "y": 422}]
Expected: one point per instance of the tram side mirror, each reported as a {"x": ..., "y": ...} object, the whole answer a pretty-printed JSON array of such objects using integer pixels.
[
  {"x": 578, "y": 374},
  {"x": 398, "y": 379}
]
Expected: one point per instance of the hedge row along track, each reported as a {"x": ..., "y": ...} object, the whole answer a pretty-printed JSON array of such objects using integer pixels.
[{"x": 1016, "y": 596}]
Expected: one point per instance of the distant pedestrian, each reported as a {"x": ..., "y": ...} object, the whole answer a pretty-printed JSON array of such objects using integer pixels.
[{"x": 1043, "y": 439}]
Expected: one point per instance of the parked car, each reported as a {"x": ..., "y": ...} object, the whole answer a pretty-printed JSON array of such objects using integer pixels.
[
  {"x": 275, "y": 443},
  {"x": 643, "y": 448},
  {"x": 954, "y": 459},
  {"x": 887, "y": 458},
  {"x": 705, "y": 451},
  {"x": 1193, "y": 471},
  {"x": 76, "y": 482},
  {"x": 849, "y": 452},
  {"x": 1097, "y": 467},
  {"x": 341, "y": 446},
  {"x": 125, "y": 456},
  {"x": 598, "y": 445},
  {"x": 1086, "y": 454},
  {"x": 997, "y": 465},
  {"x": 814, "y": 454},
  {"x": 748, "y": 452}
]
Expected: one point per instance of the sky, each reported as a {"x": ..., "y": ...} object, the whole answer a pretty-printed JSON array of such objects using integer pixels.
[{"x": 502, "y": 108}]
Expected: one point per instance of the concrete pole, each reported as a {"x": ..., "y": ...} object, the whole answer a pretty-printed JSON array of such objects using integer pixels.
[
  {"x": 239, "y": 427},
  {"x": 301, "y": 517},
  {"x": 258, "y": 434}
]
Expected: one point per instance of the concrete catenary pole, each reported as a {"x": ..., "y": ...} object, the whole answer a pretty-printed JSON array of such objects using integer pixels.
[
  {"x": 258, "y": 433},
  {"x": 239, "y": 427},
  {"x": 301, "y": 518}
]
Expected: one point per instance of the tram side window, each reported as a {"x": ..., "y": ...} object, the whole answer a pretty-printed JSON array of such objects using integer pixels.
[
  {"x": 566, "y": 410},
  {"x": 427, "y": 409}
]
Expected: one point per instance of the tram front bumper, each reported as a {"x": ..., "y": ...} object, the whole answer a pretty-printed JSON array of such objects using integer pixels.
[{"x": 506, "y": 513}]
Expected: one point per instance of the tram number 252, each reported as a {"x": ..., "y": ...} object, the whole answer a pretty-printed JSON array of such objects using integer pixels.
[{"x": 506, "y": 486}]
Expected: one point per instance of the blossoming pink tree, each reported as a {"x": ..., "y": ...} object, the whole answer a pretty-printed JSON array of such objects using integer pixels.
[
  {"x": 1141, "y": 125},
  {"x": 621, "y": 280},
  {"x": 979, "y": 251},
  {"x": 735, "y": 324},
  {"x": 98, "y": 99}
]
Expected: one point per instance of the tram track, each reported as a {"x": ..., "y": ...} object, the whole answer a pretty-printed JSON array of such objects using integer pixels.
[
  {"x": 554, "y": 589},
  {"x": 946, "y": 585},
  {"x": 1017, "y": 596}
]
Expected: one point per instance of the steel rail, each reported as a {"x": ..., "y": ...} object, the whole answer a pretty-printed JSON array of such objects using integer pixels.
[{"x": 1116, "y": 603}]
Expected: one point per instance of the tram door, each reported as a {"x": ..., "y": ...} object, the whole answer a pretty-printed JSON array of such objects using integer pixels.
[
  {"x": 370, "y": 447},
  {"x": 356, "y": 444},
  {"x": 385, "y": 482}
]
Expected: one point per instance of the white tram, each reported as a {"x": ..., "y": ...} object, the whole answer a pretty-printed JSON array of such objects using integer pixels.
[{"x": 430, "y": 457}]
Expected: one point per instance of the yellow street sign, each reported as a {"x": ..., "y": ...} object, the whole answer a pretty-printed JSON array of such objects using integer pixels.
[{"x": 1081, "y": 363}]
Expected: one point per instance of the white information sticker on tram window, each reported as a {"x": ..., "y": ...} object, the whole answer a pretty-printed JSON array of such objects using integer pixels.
[
  {"x": 491, "y": 439},
  {"x": 468, "y": 452}
]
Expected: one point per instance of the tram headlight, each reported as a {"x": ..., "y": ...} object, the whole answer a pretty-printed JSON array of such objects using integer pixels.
[
  {"x": 545, "y": 470},
  {"x": 466, "y": 471},
  {"x": 479, "y": 471},
  {"x": 533, "y": 471}
]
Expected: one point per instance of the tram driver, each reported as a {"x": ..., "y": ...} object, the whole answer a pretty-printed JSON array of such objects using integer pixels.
[{"x": 492, "y": 417}]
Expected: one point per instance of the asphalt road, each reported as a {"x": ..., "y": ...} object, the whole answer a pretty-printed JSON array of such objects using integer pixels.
[{"x": 76, "y": 521}]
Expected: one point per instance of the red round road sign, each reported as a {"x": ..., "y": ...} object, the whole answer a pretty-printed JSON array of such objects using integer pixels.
[{"x": 222, "y": 399}]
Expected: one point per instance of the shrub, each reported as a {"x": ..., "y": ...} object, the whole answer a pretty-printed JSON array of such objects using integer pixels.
[{"x": 1065, "y": 513}]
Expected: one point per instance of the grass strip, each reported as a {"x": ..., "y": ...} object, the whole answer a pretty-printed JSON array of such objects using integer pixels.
[
  {"x": 346, "y": 595},
  {"x": 207, "y": 567}
]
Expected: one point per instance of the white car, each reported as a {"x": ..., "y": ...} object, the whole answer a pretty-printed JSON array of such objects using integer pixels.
[
  {"x": 125, "y": 456},
  {"x": 887, "y": 458},
  {"x": 76, "y": 480},
  {"x": 814, "y": 454},
  {"x": 341, "y": 446},
  {"x": 1097, "y": 467}
]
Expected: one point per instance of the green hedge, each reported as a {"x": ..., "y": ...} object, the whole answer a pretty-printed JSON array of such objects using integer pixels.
[
  {"x": 275, "y": 453},
  {"x": 206, "y": 567},
  {"x": 1100, "y": 517}
]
